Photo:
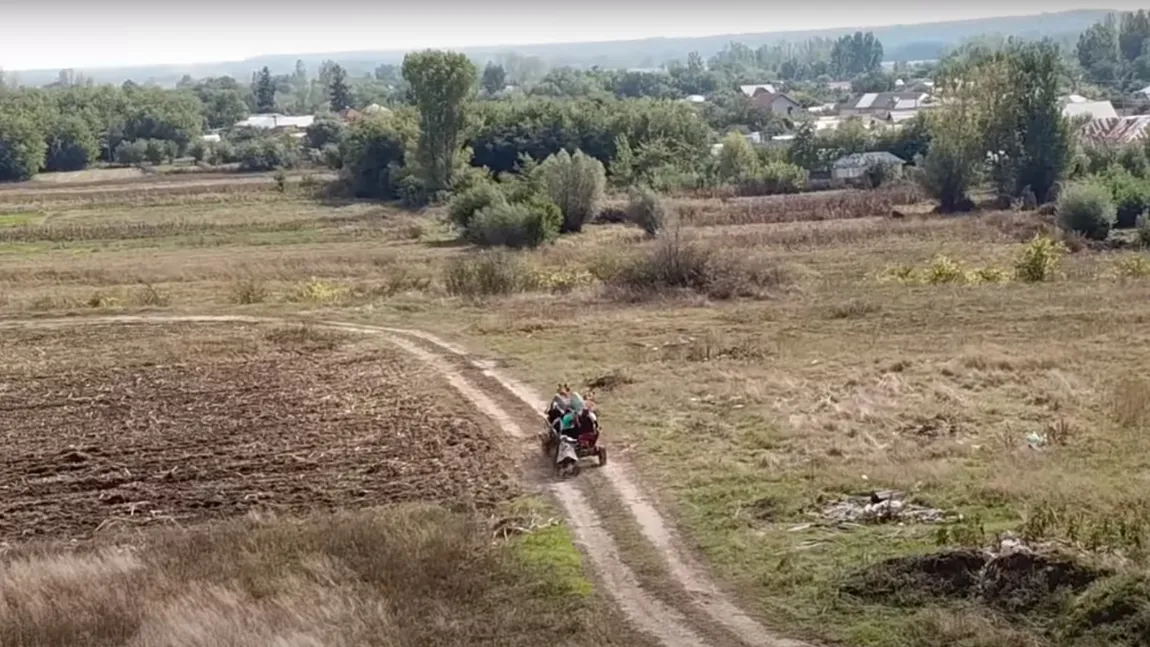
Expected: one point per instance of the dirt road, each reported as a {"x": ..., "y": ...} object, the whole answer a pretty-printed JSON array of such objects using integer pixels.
[{"x": 644, "y": 609}]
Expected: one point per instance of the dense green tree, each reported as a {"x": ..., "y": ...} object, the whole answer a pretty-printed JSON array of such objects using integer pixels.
[
  {"x": 1041, "y": 155},
  {"x": 338, "y": 91},
  {"x": 71, "y": 146},
  {"x": 264, "y": 91},
  {"x": 442, "y": 84},
  {"x": 372, "y": 152},
  {"x": 1133, "y": 30},
  {"x": 1098, "y": 51},
  {"x": 856, "y": 54},
  {"x": 494, "y": 79},
  {"x": 22, "y": 148},
  {"x": 324, "y": 131},
  {"x": 223, "y": 100}
]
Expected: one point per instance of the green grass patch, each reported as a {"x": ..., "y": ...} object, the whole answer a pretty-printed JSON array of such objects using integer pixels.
[{"x": 550, "y": 554}]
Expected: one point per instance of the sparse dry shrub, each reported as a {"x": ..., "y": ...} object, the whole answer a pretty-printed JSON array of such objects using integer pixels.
[
  {"x": 647, "y": 210},
  {"x": 248, "y": 291},
  {"x": 678, "y": 264},
  {"x": 1038, "y": 260},
  {"x": 102, "y": 300},
  {"x": 988, "y": 275},
  {"x": 316, "y": 290},
  {"x": 1133, "y": 266},
  {"x": 1143, "y": 229},
  {"x": 488, "y": 273},
  {"x": 148, "y": 295},
  {"x": 943, "y": 269},
  {"x": 1129, "y": 402},
  {"x": 801, "y": 207}
]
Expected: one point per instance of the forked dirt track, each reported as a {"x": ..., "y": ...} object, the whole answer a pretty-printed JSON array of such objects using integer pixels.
[{"x": 646, "y": 612}]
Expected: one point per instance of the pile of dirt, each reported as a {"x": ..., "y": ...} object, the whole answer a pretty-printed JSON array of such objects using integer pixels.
[
  {"x": 1013, "y": 577},
  {"x": 1054, "y": 591}
]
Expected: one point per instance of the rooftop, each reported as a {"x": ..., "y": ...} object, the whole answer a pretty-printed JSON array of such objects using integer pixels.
[
  {"x": 1095, "y": 109},
  {"x": 276, "y": 120},
  {"x": 855, "y": 160}
]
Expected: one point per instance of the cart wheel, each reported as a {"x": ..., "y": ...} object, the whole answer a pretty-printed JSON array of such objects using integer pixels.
[{"x": 602, "y": 456}]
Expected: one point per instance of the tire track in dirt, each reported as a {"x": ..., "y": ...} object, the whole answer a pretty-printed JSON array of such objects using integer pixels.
[
  {"x": 654, "y": 528},
  {"x": 646, "y": 613}
]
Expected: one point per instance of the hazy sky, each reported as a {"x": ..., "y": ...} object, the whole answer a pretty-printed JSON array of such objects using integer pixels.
[{"x": 97, "y": 33}]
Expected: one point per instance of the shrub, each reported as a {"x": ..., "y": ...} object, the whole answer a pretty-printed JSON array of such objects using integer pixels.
[
  {"x": 1038, "y": 260},
  {"x": 134, "y": 152},
  {"x": 371, "y": 151},
  {"x": 880, "y": 173},
  {"x": 200, "y": 150},
  {"x": 943, "y": 269},
  {"x": 647, "y": 210},
  {"x": 515, "y": 225},
  {"x": 1135, "y": 266},
  {"x": 948, "y": 171},
  {"x": 988, "y": 275},
  {"x": 248, "y": 291},
  {"x": 487, "y": 273},
  {"x": 675, "y": 264},
  {"x": 158, "y": 151},
  {"x": 575, "y": 183},
  {"x": 1131, "y": 196},
  {"x": 1086, "y": 209},
  {"x": 324, "y": 131},
  {"x": 737, "y": 158},
  {"x": 266, "y": 154},
  {"x": 774, "y": 178},
  {"x": 329, "y": 156},
  {"x": 465, "y": 205},
  {"x": 1143, "y": 225},
  {"x": 223, "y": 152}
]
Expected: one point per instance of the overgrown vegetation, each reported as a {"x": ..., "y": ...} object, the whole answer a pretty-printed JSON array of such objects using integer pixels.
[{"x": 1087, "y": 210}]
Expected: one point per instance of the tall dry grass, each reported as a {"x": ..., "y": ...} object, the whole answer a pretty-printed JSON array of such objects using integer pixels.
[
  {"x": 827, "y": 205},
  {"x": 405, "y": 576}
]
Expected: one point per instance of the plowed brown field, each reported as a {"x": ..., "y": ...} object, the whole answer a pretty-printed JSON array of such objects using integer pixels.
[{"x": 110, "y": 428}]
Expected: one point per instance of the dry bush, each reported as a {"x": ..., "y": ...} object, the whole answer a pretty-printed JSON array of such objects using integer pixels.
[
  {"x": 1130, "y": 402},
  {"x": 827, "y": 205},
  {"x": 676, "y": 264},
  {"x": 488, "y": 273},
  {"x": 316, "y": 290},
  {"x": 404, "y": 576},
  {"x": 148, "y": 295},
  {"x": 248, "y": 291}
]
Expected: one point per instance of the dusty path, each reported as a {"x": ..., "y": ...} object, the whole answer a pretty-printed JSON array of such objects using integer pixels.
[{"x": 645, "y": 612}]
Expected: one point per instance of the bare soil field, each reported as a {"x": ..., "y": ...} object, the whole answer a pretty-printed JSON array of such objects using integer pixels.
[{"x": 135, "y": 426}]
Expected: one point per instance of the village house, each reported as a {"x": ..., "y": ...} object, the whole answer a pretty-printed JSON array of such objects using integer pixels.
[
  {"x": 778, "y": 103},
  {"x": 277, "y": 122},
  {"x": 1075, "y": 105},
  {"x": 1114, "y": 131},
  {"x": 880, "y": 105},
  {"x": 758, "y": 88},
  {"x": 851, "y": 169}
]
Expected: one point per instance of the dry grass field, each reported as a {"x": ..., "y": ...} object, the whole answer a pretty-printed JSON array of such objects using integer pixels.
[{"x": 867, "y": 353}]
